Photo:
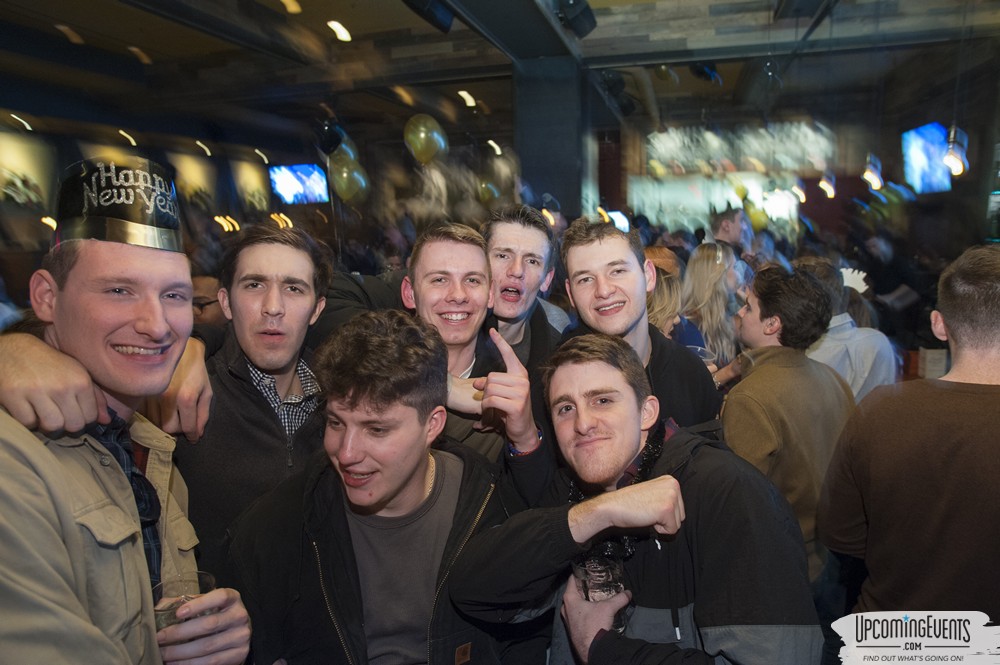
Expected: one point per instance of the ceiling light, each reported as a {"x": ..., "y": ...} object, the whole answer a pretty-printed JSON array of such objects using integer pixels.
[
  {"x": 828, "y": 183},
  {"x": 72, "y": 35},
  {"x": 548, "y": 216},
  {"x": 873, "y": 172},
  {"x": 49, "y": 222},
  {"x": 403, "y": 94},
  {"x": 799, "y": 190},
  {"x": 262, "y": 155},
  {"x": 469, "y": 99},
  {"x": 22, "y": 121},
  {"x": 223, "y": 222},
  {"x": 292, "y": 6},
  {"x": 203, "y": 147},
  {"x": 493, "y": 144},
  {"x": 127, "y": 137},
  {"x": 343, "y": 34},
  {"x": 955, "y": 159},
  {"x": 140, "y": 55},
  {"x": 235, "y": 224}
]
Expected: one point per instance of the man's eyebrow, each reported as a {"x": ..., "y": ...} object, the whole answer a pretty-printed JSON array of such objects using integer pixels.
[
  {"x": 104, "y": 282},
  {"x": 284, "y": 279},
  {"x": 511, "y": 250},
  {"x": 590, "y": 394},
  {"x": 449, "y": 273},
  {"x": 617, "y": 262}
]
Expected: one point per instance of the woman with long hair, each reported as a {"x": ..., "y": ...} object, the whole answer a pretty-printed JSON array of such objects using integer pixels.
[{"x": 708, "y": 297}]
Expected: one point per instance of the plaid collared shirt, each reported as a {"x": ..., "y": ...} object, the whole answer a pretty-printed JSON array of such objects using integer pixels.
[
  {"x": 116, "y": 438},
  {"x": 632, "y": 470},
  {"x": 294, "y": 410}
]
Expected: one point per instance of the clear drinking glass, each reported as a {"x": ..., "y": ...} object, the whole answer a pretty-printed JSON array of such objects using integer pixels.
[{"x": 170, "y": 594}]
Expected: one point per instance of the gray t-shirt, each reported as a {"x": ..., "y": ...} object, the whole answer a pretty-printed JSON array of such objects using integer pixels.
[{"x": 398, "y": 563}]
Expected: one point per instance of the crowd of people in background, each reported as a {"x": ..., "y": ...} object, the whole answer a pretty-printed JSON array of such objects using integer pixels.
[{"x": 444, "y": 446}]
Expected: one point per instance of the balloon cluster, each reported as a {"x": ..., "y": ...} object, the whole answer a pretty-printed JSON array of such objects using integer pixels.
[
  {"x": 349, "y": 178},
  {"x": 425, "y": 138}
]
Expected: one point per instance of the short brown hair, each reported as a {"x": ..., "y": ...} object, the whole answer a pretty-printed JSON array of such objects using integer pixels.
[
  {"x": 447, "y": 232},
  {"x": 525, "y": 216},
  {"x": 59, "y": 260},
  {"x": 599, "y": 348},
  {"x": 585, "y": 232},
  {"x": 266, "y": 234},
  {"x": 798, "y": 299},
  {"x": 969, "y": 298},
  {"x": 382, "y": 358}
]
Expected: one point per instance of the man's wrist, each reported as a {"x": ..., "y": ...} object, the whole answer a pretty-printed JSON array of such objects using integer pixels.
[{"x": 517, "y": 449}]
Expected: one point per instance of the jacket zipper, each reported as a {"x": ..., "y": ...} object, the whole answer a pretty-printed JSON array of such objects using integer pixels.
[
  {"x": 447, "y": 570},
  {"x": 329, "y": 608}
]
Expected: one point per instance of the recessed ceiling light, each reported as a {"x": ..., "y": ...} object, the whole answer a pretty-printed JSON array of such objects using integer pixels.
[
  {"x": 493, "y": 144},
  {"x": 22, "y": 121},
  {"x": 203, "y": 147},
  {"x": 140, "y": 55},
  {"x": 262, "y": 155},
  {"x": 72, "y": 35},
  {"x": 338, "y": 29},
  {"x": 127, "y": 137},
  {"x": 469, "y": 99},
  {"x": 292, "y": 6}
]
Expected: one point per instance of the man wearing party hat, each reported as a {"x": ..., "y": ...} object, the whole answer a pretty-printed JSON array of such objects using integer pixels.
[{"x": 89, "y": 522}]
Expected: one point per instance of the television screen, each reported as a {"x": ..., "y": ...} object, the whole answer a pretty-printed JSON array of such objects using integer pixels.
[
  {"x": 299, "y": 183},
  {"x": 923, "y": 151}
]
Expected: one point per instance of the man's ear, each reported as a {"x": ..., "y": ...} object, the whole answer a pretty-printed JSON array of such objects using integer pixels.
[
  {"x": 773, "y": 325},
  {"x": 547, "y": 282},
  {"x": 406, "y": 291},
  {"x": 570, "y": 294},
  {"x": 649, "y": 413},
  {"x": 650, "y": 271},
  {"x": 938, "y": 327},
  {"x": 435, "y": 424},
  {"x": 224, "y": 303},
  {"x": 320, "y": 306},
  {"x": 43, "y": 292}
]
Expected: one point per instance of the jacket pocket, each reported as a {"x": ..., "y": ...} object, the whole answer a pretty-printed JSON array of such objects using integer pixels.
[{"x": 117, "y": 578}]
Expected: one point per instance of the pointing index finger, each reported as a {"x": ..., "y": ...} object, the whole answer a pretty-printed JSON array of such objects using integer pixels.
[{"x": 510, "y": 360}]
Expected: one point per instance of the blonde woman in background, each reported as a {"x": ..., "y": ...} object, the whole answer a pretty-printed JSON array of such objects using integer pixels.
[
  {"x": 708, "y": 296},
  {"x": 663, "y": 303}
]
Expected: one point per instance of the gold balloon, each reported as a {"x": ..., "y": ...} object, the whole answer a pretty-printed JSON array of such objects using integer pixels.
[
  {"x": 424, "y": 137},
  {"x": 347, "y": 148},
  {"x": 350, "y": 181}
]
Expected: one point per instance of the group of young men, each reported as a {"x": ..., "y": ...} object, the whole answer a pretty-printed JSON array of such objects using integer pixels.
[{"x": 398, "y": 496}]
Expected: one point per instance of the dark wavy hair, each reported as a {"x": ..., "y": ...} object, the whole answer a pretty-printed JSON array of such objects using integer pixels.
[
  {"x": 796, "y": 297},
  {"x": 382, "y": 358}
]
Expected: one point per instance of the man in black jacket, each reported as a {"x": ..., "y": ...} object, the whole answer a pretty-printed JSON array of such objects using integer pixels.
[
  {"x": 608, "y": 279},
  {"x": 729, "y": 586},
  {"x": 349, "y": 561}
]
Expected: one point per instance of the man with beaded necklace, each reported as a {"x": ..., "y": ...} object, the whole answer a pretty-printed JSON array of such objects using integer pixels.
[{"x": 730, "y": 585}]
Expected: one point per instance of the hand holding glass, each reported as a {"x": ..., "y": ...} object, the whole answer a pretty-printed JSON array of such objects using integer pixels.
[{"x": 170, "y": 594}]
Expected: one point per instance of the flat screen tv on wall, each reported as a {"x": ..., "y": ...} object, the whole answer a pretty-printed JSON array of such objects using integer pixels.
[
  {"x": 923, "y": 153},
  {"x": 299, "y": 183}
]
